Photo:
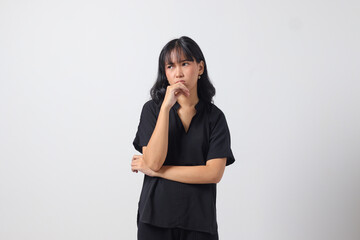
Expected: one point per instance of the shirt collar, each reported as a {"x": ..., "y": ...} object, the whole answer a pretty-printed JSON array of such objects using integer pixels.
[{"x": 198, "y": 106}]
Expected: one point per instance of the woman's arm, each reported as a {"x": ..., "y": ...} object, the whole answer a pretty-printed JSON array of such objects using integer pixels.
[
  {"x": 212, "y": 172},
  {"x": 157, "y": 147}
]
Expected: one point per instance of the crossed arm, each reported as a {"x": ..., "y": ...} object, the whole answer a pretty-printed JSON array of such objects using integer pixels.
[
  {"x": 212, "y": 172},
  {"x": 151, "y": 162}
]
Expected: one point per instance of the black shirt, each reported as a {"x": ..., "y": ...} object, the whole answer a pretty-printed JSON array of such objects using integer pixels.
[{"x": 167, "y": 203}]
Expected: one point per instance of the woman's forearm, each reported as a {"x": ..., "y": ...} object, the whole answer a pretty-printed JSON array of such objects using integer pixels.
[
  {"x": 157, "y": 147},
  {"x": 188, "y": 174}
]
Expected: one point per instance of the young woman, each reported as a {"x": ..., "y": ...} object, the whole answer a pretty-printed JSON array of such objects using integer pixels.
[{"x": 185, "y": 142}]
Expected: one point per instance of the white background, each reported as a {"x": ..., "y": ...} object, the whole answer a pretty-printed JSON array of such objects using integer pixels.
[{"x": 74, "y": 75}]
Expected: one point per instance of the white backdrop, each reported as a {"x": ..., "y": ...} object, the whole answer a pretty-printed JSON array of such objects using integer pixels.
[{"x": 74, "y": 75}]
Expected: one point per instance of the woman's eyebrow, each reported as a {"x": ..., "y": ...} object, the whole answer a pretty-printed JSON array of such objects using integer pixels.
[{"x": 184, "y": 60}]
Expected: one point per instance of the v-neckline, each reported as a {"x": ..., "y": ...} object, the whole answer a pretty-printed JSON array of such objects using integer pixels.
[
  {"x": 198, "y": 107},
  {"x": 182, "y": 124}
]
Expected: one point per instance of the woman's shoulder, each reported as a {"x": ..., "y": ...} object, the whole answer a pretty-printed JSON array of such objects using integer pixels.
[
  {"x": 151, "y": 105},
  {"x": 216, "y": 117},
  {"x": 213, "y": 110}
]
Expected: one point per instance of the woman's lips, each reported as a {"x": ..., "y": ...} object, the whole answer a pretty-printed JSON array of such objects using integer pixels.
[{"x": 180, "y": 81}]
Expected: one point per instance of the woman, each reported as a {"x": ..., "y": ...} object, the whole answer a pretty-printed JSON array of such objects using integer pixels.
[{"x": 185, "y": 142}]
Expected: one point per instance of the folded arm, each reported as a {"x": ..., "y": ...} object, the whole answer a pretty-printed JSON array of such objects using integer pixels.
[
  {"x": 212, "y": 172},
  {"x": 158, "y": 143}
]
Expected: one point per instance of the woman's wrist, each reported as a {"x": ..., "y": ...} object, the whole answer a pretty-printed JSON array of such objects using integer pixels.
[{"x": 165, "y": 108}]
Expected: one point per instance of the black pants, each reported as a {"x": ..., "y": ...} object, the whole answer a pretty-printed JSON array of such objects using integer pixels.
[{"x": 151, "y": 232}]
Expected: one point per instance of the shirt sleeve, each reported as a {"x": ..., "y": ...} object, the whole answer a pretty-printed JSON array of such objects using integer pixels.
[
  {"x": 220, "y": 142},
  {"x": 146, "y": 126}
]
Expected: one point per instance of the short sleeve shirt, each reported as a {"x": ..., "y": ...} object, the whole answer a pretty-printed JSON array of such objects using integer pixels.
[{"x": 167, "y": 203}]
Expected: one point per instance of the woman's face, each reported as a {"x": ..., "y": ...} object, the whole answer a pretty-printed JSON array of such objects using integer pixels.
[{"x": 186, "y": 71}]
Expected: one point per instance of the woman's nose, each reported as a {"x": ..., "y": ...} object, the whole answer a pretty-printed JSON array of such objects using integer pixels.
[{"x": 179, "y": 72}]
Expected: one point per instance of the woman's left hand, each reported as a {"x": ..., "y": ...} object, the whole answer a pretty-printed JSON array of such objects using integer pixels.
[{"x": 138, "y": 164}]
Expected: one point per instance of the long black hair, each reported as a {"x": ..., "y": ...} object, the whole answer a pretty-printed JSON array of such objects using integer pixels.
[{"x": 191, "y": 51}]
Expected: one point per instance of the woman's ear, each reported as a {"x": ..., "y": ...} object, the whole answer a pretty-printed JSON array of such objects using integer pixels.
[{"x": 201, "y": 67}]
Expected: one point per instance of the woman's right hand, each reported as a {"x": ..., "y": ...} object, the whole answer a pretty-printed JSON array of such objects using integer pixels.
[{"x": 173, "y": 92}]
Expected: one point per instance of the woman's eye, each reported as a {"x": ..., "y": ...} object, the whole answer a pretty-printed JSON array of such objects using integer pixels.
[
  {"x": 169, "y": 66},
  {"x": 185, "y": 63}
]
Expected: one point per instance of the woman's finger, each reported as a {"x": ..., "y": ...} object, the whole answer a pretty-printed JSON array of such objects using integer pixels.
[
  {"x": 136, "y": 158},
  {"x": 134, "y": 168},
  {"x": 181, "y": 92},
  {"x": 182, "y": 88}
]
